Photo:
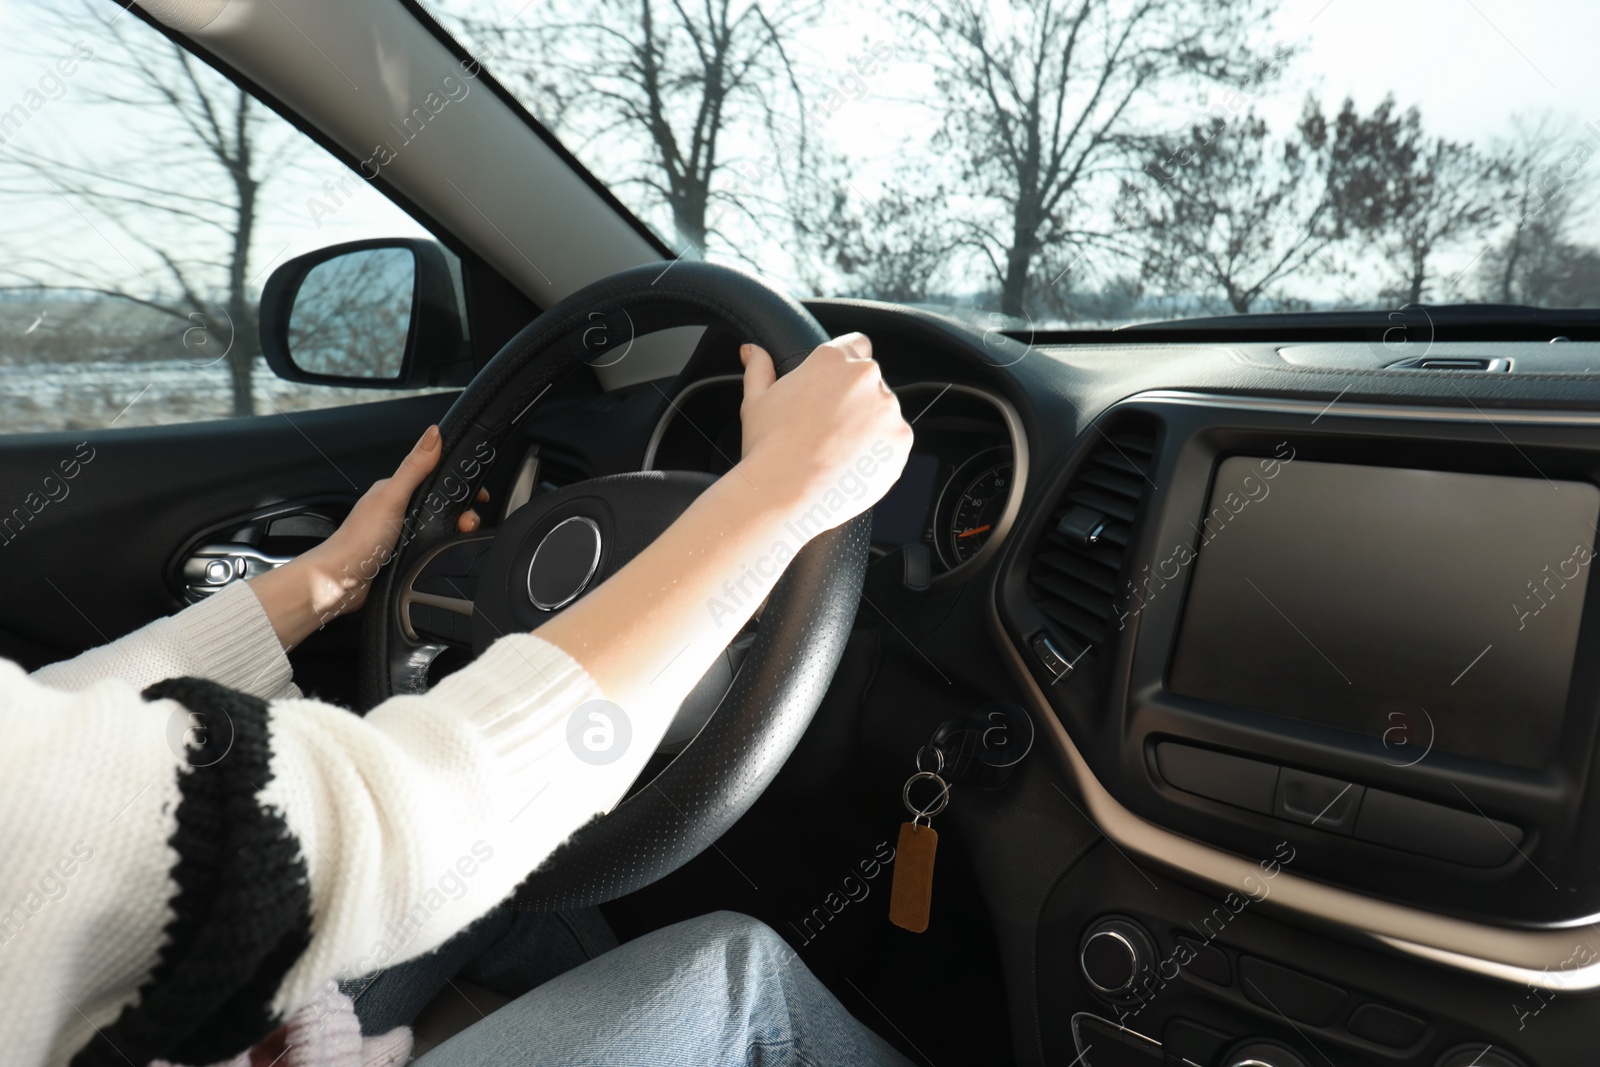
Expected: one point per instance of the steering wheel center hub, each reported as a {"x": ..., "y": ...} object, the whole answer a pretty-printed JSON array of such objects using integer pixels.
[{"x": 563, "y": 563}]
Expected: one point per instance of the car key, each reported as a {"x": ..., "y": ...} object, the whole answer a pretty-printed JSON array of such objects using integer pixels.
[{"x": 911, "y": 890}]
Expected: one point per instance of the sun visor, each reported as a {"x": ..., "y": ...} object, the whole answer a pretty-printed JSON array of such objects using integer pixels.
[{"x": 185, "y": 16}]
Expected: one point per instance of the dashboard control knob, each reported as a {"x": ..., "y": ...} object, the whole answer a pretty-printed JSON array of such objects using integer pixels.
[
  {"x": 1478, "y": 1055},
  {"x": 1263, "y": 1054},
  {"x": 1115, "y": 953}
]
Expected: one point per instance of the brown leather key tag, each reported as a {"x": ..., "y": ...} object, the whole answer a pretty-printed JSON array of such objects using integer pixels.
[
  {"x": 911, "y": 891},
  {"x": 911, "y": 888}
]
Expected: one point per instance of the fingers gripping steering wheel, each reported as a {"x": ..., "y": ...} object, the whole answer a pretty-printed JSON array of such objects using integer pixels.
[{"x": 803, "y": 631}]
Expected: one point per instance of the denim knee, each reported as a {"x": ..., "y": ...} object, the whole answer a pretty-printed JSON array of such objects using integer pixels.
[{"x": 731, "y": 929}]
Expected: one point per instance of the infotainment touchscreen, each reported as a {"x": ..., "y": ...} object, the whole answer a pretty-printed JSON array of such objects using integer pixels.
[{"x": 1378, "y": 599}]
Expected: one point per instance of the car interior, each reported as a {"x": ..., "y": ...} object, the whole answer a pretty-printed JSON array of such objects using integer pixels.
[{"x": 1254, "y": 654}]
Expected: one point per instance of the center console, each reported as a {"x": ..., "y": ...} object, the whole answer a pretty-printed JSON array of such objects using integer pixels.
[
  {"x": 1371, "y": 633},
  {"x": 1329, "y": 679}
]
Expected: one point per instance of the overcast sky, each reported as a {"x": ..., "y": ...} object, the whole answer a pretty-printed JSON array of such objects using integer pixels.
[{"x": 1469, "y": 64}]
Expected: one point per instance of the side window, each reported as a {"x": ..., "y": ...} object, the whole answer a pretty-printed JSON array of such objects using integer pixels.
[{"x": 144, "y": 201}]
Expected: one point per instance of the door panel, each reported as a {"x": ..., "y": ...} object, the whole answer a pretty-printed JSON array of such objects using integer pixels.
[{"x": 91, "y": 521}]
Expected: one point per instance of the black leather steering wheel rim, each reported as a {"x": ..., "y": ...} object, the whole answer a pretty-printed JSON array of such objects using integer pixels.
[{"x": 803, "y": 631}]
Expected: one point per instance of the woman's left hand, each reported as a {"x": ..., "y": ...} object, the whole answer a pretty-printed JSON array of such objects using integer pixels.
[{"x": 324, "y": 582}]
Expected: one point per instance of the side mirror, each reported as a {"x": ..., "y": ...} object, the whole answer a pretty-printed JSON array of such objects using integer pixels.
[{"x": 379, "y": 314}]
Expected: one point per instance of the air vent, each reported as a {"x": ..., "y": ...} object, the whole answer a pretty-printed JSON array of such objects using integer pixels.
[
  {"x": 1480, "y": 364},
  {"x": 1077, "y": 567}
]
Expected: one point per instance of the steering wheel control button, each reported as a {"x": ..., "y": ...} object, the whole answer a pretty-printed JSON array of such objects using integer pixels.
[
  {"x": 1385, "y": 1026},
  {"x": 1325, "y": 803},
  {"x": 564, "y": 562},
  {"x": 1115, "y": 954},
  {"x": 1297, "y": 996},
  {"x": 454, "y": 571},
  {"x": 1480, "y": 1054},
  {"x": 1263, "y": 1054},
  {"x": 1244, "y": 783}
]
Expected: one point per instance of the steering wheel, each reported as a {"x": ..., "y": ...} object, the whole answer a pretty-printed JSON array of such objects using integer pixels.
[{"x": 551, "y": 550}]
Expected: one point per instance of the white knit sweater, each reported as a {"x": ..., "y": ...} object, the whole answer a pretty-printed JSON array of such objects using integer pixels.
[{"x": 407, "y": 825}]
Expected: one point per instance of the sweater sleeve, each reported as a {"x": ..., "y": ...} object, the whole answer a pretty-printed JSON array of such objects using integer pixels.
[
  {"x": 177, "y": 896},
  {"x": 226, "y": 637}
]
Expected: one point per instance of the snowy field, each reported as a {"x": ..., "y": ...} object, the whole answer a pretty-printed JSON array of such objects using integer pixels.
[{"x": 95, "y": 394}]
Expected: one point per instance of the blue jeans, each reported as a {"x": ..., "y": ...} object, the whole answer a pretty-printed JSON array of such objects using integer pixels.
[{"x": 719, "y": 990}]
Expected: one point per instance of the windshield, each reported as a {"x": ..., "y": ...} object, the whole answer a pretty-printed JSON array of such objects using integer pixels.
[{"x": 1086, "y": 161}]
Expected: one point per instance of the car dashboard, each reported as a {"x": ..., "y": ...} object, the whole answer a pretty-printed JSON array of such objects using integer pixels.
[{"x": 1307, "y": 633}]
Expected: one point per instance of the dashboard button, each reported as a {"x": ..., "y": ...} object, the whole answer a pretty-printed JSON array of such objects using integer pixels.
[
  {"x": 1114, "y": 955},
  {"x": 1297, "y": 996},
  {"x": 1316, "y": 800},
  {"x": 1051, "y": 657},
  {"x": 1434, "y": 830},
  {"x": 1206, "y": 961},
  {"x": 1385, "y": 1026},
  {"x": 1244, "y": 783}
]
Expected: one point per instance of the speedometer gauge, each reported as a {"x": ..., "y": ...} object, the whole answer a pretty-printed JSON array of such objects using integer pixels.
[
  {"x": 982, "y": 486},
  {"x": 977, "y": 509}
]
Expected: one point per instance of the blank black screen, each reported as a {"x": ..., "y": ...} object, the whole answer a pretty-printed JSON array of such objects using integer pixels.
[
  {"x": 902, "y": 515},
  {"x": 1349, "y": 595}
]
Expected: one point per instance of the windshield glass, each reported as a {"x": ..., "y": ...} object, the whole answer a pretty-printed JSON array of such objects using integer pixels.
[{"x": 1086, "y": 161}]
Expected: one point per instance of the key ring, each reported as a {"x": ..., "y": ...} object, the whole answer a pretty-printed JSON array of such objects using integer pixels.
[
  {"x": 938, "y": 760},
  {"x": 921, "y": 814}
]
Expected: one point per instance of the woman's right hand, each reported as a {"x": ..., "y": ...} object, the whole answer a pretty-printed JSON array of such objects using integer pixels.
[
  {"x": 826, "y": 439},
  {"x": 821, "y": 445}
]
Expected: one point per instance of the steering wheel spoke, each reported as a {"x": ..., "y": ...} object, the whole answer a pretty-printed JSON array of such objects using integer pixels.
[{"x": 436, "y": 598}]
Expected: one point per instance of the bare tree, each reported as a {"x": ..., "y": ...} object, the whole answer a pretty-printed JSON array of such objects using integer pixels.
[
  {"x": 1237, "y": 211},
  {"x": 1445, "y": 200},
  {"x": 1041, "y": 97},
  {"x": 1416, "y": 195},
  {"x": 188, "y": 213},
  {"x": 1248, "y": 212},
  {"x": 887, "y": 248},
  {"x": 678, "y": 80},
  {"x": 1548, "y": 188}
]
